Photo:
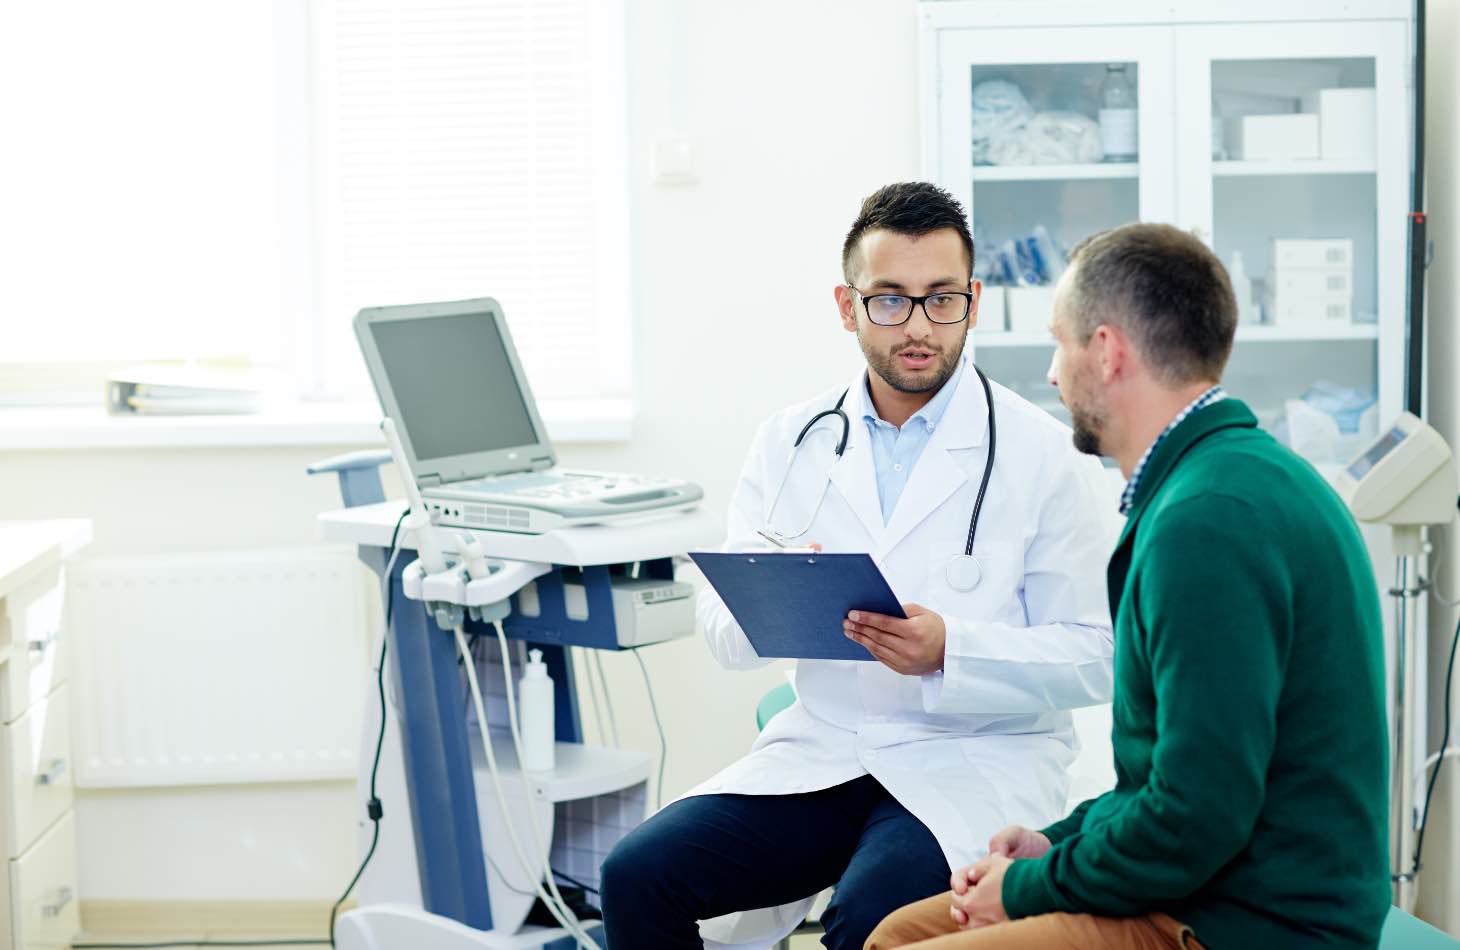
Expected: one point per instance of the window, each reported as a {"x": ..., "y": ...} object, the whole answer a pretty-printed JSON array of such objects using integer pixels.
[
  {"x": 214, "y": 179},
  {"x": 478, "y": 149},
  {"x": 150, "y": 182}
]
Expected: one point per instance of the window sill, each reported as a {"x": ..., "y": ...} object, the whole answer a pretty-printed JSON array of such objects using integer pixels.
[{"x": 323, "y": 424}]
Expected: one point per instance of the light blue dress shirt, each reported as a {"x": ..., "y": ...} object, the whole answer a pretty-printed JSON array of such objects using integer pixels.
[{"x": 895, "y": 451}]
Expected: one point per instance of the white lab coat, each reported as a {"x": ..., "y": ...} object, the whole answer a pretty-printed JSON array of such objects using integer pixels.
[{"x": 985, "y": 743}]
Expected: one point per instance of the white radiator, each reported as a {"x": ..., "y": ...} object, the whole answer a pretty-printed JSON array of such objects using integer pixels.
[{"x": 201, "y": 669}]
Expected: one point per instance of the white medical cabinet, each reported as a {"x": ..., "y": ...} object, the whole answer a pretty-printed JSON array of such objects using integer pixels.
[{"x": 1013, "y": 112}]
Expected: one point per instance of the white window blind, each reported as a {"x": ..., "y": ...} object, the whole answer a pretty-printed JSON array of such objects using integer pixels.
[
  {"x": 475, "y": 149},
  {"x": 153, "y": 185}
]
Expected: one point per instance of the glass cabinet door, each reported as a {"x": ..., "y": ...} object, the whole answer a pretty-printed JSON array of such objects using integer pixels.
[
  {"x": 1292, "y": 165},
  {"x": 1047, "y": 136}
]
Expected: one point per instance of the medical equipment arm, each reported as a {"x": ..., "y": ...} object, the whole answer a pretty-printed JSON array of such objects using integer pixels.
[
  {"x": 723, "y": 635},
  {"x": 1216, "y": 662},
  {"x": 1062, "y": 659}
]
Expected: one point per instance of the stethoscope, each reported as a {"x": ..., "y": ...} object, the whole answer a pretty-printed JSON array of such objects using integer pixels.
[{"x": 963, "y": 571}]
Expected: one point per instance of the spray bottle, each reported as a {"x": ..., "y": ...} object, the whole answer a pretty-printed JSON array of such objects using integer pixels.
[{"x": 536, "y": 705}]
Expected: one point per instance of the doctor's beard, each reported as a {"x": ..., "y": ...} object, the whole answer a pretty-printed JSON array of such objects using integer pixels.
[{"x": 884, "y": 364}]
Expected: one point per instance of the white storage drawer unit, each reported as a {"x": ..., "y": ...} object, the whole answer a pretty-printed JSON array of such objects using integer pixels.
[
  {"x": 43, "y": 890},
  {"x": 38, "y": 750},
  {"x": 30, "y": 619},
  {"x": 38, "y": 882}
]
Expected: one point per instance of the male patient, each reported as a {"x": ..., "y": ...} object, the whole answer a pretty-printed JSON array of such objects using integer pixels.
[{"x": 1250, "y": 808}]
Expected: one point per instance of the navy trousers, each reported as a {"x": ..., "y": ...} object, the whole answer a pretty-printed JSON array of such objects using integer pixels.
[{"x": 712, "y": 854}]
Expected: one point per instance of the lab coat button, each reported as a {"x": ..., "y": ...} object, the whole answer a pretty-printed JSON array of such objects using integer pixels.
[{"x": 871, "y": 753}]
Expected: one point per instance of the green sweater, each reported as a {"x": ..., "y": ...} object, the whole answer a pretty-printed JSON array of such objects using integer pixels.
[{"x": 1249, "y": 723}]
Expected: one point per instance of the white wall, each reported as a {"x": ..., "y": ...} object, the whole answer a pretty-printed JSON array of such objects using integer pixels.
[
  {"x": 798, "y": 111},
  {"x": 1439, "y": 897},
  {"x": 733, "y": 276}
]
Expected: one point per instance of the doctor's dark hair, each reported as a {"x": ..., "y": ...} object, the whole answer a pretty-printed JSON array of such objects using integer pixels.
[
  {"x": 1164, "y": 288},
  {"x": 911, "y": 208}
]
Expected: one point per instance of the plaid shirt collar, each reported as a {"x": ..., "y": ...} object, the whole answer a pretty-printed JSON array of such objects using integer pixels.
[{"x": 1128, "y": 497}]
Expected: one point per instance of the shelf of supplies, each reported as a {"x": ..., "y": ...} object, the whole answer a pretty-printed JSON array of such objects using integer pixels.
[
  {"x": 1055, "y": 172},
  {"x": 1312, "y": 166},
  {"x": 1247, "y": 334}
]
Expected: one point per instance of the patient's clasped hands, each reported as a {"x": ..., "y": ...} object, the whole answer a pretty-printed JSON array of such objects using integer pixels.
[{"x": 978, "y": 890}]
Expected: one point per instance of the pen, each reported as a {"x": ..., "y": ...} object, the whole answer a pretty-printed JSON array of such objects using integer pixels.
[{"x": 786, "y": 548}]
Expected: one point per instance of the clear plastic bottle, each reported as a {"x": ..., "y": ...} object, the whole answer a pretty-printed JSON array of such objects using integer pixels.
[
  {"x": 1118, "y": 114},
  {"x": 1219, "y": 132},
  {"x": 536, "y": 712},
  {"x": 1242, "y": 289}
]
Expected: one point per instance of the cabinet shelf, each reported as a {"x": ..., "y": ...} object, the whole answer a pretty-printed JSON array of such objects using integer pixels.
[
  {"x": 1055, "y": 172},
  {"x": 1302, "y": 334},
  {"x": 1315, "y": 166},
  {"x": 1246, "y": 334}
]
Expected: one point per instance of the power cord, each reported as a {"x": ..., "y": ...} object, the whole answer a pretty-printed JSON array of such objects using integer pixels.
[
  {"x": 554, "y": 901},
  {"x": 607, "y": 697},
  {"x": 659, "y": 726},
  {"x": 588, "y": 677},
  {"x": 373, "y": 807},
  {"x": 1424, "y": 820},
  {"x": 1438, "y": 759}
]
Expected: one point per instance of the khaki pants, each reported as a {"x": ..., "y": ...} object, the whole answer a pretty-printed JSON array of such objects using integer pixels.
[{"x": 927, "y": 925}]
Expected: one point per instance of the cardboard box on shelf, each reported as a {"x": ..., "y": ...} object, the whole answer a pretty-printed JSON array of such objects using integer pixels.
[
  {"x": 1307, "y": 253},
  {"x": 1313, "y": 282},
  {"x": 1312, "y": 310},
  {"x": 1346, "y": 123},
  {"x": 1030, "y": 309},
  {"x": 991, "y": 318},
  {"x": 1272, "y": 137}
]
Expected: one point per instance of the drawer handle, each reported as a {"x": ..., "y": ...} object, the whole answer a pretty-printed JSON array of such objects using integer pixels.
[
  {"x": 63, "y": 897},
  {"x": 54, "y": 771},
  {"x": 39, "y": 647}
]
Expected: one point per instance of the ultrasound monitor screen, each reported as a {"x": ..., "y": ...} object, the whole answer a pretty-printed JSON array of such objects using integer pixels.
[{"x": 453, "y": 384}]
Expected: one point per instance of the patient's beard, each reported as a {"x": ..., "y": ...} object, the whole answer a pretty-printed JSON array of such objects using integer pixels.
[{"x": 1088, "y": 422}]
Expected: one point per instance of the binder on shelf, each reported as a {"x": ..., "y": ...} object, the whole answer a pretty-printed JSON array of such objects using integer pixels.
[{"x": 181, "y": 389}]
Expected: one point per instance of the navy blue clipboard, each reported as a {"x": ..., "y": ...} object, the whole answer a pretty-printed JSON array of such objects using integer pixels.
[{"x": 793, "y": 605}]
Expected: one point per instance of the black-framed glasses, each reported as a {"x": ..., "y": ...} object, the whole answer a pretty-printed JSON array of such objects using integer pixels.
[{"x": 893, "y": 310}]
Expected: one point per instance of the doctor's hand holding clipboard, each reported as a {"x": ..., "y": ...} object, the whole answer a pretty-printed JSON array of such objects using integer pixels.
[{"x": 802, "y": 604}]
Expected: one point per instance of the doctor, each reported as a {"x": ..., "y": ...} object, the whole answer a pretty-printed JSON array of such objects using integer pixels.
[{"x": 882, "y": 775}]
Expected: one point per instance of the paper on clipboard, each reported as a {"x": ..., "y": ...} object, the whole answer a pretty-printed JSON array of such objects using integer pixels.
[{"x": 793, "y": 604}]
